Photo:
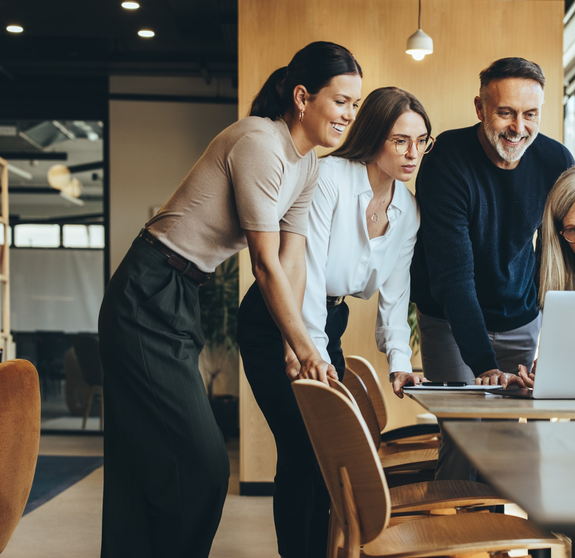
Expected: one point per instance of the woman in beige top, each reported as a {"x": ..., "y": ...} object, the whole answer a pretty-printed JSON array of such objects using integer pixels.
[{"x": 166, "y": 468}]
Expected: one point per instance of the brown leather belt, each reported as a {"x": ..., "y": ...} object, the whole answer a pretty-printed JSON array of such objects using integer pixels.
[
  {"x": 332, "y": 301},
  {"x": 175, "y": 260}
]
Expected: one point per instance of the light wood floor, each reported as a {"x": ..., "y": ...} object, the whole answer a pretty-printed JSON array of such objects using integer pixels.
[{"x": 68, "y": 526}]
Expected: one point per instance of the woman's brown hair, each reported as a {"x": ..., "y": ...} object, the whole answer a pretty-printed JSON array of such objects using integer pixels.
[{"x": 375, "y": 119}]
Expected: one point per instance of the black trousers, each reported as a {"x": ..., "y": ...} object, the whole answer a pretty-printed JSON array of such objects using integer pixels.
[
  {"x": 166, "y": 467},
  {"x": 301, "y": 501}
]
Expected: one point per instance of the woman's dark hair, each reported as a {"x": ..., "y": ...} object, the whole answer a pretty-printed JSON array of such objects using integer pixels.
[
  {"x": 313, "y": 67},
  {"x": 374, "y": 122}
]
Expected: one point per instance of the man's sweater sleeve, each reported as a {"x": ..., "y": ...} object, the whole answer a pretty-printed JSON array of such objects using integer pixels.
[{"x": 445, "y": 204}]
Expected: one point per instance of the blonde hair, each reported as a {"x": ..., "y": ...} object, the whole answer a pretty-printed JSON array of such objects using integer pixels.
[{"x": 557, "y": 258}]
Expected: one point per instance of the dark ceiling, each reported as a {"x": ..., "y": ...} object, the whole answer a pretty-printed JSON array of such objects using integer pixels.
[
  {"x": 64, "y": 38},
  {"x": 99, "y": 38},
  {"x": 56, "y": 73}
]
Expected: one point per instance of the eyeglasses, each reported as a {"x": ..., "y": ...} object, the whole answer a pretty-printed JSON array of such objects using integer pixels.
[
  {"x": 423, "y": 145},
  {"x": 569, "y": 235}
]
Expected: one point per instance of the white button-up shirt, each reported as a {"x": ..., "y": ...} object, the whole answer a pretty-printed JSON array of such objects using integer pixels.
[{"x": 343, "y": 260}]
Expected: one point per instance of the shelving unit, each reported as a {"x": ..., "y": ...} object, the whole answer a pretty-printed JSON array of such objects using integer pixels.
[{"x": 5, "y": 332}]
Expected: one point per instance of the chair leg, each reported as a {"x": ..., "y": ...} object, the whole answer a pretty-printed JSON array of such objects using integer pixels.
[
  {"x": 335, "y": 535},
  {"x": 563, "y": 551},
  {"x": 88, "y": 406},
  {"x": 352, "y": 533}
]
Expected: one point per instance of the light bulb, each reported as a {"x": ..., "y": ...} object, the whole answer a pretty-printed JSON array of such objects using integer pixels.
[
  {"x": 146, "y": 33},
  {"x": 14, "y": 29},
  {"x": 130, "y": 5},
  {"x": 419, "y": 44}
]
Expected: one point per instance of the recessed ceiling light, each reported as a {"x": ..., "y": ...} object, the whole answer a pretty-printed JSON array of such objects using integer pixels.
[
  {"x": 130, "y": 5},
  {"x": 14, "y": 28},
  {"x": 146, "y": 33}
]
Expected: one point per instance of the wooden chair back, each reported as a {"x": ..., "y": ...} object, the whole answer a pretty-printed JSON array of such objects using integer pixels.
[
  {"x": 341, "y": 388},
  {"x": 19, "y": 441},
  {"x": 347, "y": 456},
  {"x": 358, "y": 390},
  {"x": 363, "y": 368}
]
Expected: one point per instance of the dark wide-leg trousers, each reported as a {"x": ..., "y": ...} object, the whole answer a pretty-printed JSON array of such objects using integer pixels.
[
  {"x": 301, "y": 500},
  {"x": 166, "y": 467}
]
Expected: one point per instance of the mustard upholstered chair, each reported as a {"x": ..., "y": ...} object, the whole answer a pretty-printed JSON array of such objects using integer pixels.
[{"x": 19, "y": 441}]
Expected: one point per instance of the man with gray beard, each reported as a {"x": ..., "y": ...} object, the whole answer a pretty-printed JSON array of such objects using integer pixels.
[{"x": 481, "y": 193}]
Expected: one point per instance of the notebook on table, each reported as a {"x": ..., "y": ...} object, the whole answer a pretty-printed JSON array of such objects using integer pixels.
[{"x": 451, "y": 386}]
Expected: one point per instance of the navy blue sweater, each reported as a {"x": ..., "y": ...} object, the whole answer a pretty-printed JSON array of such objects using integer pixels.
[{"x": 474, "y": 262}]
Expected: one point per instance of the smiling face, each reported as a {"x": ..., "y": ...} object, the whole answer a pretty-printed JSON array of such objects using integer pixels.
[
  {"x": 328, "y": 113},
  {"x": 569, "y": 223},
  {"x": 509, "y": 110},
  {"x": 409, "y": 126}
]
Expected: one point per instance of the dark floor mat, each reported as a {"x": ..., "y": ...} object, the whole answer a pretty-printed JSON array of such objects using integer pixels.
[{"x": 55, "y": 473}]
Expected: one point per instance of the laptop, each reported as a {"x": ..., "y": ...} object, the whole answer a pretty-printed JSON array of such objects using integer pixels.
[{"x": 555, "y": 374}]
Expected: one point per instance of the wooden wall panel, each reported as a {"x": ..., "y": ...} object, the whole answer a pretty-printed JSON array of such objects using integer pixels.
[{"x": 468, "y": 35}]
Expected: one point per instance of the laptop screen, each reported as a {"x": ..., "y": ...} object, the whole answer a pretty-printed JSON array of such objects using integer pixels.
[{"x": 555, "y": 374}]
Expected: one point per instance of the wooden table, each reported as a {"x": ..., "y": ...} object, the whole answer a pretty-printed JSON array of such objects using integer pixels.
[
  {"x": 532, "y": 464},
  {"x": 460, "y": 405}
]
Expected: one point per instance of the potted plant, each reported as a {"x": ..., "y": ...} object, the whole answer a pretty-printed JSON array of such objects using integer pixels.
[
  {"x": 414, "y": 331},
  {"x": 414, "y": 336},
  {"x": 219, "y": 311}
]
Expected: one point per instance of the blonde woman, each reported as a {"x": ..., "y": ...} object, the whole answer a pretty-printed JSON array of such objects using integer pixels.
[
  {"x": 558, "y": 237},
  {"x": 557, "y": 246}
]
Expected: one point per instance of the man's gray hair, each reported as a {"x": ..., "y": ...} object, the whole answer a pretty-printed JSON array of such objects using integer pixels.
[{"x": 506, "y": 68}]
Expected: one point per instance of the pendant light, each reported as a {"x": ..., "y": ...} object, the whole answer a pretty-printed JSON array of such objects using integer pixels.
[{"x": 420, "y": 43}]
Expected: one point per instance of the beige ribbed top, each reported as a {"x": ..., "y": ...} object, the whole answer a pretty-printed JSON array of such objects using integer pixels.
[{"x": 251, "y": 177}]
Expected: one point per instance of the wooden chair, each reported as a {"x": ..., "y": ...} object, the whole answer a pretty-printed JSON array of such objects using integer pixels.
[
  {"x": 363, "y": 503},
  {"x": 87, "y": 351},
  {"x": 395, "y": 458},
  {"x": 412, "y": 433},
  {"x": 19, "y": 441}
]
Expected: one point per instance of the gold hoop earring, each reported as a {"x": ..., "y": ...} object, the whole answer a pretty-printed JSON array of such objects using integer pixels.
[{"x": 301, "y": 115}]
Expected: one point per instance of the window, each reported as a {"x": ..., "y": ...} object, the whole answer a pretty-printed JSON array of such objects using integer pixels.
[
  {"x": 83, "y": 236},
  {"x": 569, "y": 125},
  {"x": 37, "y": 236},
  {"x": 2, "y": 236}
]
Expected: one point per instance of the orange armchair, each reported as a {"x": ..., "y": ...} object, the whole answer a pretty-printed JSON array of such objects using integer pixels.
[{"x": 19, "y": 441}]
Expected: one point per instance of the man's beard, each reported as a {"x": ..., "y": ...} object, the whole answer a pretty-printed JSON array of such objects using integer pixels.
[{"x": 508, "y": 153}]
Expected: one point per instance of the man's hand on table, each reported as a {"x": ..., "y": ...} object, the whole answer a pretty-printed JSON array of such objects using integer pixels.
[
  {"x": 495, "y": 377},
  {"x": 527, "y": 377}
]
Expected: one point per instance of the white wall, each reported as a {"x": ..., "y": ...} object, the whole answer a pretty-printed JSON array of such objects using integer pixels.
[
  {"x": 153, "y": 145},
  {"x": 56, "y": 290}
]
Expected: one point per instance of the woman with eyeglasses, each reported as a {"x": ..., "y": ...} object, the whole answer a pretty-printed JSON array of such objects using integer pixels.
[
  {"x": 557, "y": 271},
  {"x": 362, "y": 229}
]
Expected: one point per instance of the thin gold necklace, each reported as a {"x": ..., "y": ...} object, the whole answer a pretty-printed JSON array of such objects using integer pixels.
[{"x": 374, "y": 216}]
